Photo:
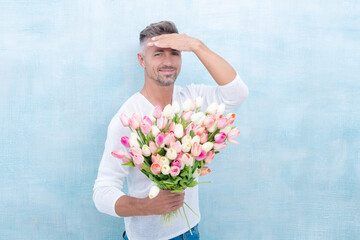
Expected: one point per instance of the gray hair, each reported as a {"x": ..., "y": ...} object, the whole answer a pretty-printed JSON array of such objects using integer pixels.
[{"x": 156, "y": 29}]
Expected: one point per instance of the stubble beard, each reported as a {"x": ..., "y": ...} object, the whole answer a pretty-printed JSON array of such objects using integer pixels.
[{"x": 166, "y": 80}]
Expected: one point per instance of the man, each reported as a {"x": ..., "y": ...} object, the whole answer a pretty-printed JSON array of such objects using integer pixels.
[{"x": 160, "y": 56}]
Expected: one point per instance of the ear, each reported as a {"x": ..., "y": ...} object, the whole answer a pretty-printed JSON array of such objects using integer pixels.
[{"x": 141, "y": 59}]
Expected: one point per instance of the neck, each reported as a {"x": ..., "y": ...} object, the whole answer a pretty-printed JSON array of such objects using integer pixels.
[{"x": 157, "y": 94}]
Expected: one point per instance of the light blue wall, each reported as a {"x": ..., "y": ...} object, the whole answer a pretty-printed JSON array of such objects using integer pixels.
[{"x": 67, "y": 66}]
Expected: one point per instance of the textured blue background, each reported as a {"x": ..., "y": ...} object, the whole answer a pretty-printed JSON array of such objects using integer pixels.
[{"x": 67, "y": 66}]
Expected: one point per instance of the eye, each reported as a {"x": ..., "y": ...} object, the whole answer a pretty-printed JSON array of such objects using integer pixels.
[{"x": 176, "y": 53}]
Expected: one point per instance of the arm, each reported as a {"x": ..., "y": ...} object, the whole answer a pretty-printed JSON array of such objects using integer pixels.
[
  {"x": 222, "y": 72},
  {"x": 164, "y": 202}
]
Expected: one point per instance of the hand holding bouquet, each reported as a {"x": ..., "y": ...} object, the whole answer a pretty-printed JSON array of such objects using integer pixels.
[{"x": 173, "y": 149}]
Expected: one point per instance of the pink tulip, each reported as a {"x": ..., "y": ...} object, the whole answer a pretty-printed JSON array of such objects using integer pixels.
[
  {"x": 187, "y": 159},
  {"x": 172, "y": 127},
  {"x": 196, "y": 149},
  {"x": 179, "y": 156},
  {"x": 138, "y": 159},
  {"x": 159, "y": 139},
  {"x": 121, "y": 155},
  {"x": 176, "y": 162},
  {"x": 234, "y": 133},
  {"x": 199, "y": 130},
  {"x": 219, "y": 146},
  {"x": 134, "y": 123},
  {"x": 201, "y": 156},
  {"x": 145, "y": 128},
  {"x": 134, "y": 150},
  {"x": 209, "y": 121},
  {"x": 124, "y": 120},
  {"x": 187, "y": 116},
  {"x": 155, "y": 158},
  {"x": 153, "y": 147},
  {"x": 157, "y": 112},
  {"x": 176, "y": 145},
  {"x": 205, "y": 171},
  {"x": 174, "y": 171},
  {"x": 203, "y": 138},
  {"x": 161, "y": 122},
  {"x": 125, "y": 141},
  {"x": 217, "y": 116},
  {"x": 190, "y": 127},
  {"x": 231, "y": 118},
  {"x": 137, "y": 116},
  {"x": 209, "y": 157},
  {"x": 169, "y": 138},
  {"x": 138, "y": 166},
  {"x": 222, "y": 123},
  {"x": 155, "y": 168},
  {"x": 220, "y": 137},
  {"x": 148, "y": 120}
]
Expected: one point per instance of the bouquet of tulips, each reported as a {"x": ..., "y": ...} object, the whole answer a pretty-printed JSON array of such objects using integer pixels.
[{"x": 173, "y": 149}]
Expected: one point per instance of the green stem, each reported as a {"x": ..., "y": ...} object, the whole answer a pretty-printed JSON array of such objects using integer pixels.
[
  {"x": 191, "y": 209},
  {"x": 187, "y": 220}
]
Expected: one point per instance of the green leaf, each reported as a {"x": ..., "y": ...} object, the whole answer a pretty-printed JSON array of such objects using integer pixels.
[
  {"x": 130, "y": 164},
  {"x": 195, "y": 166},
  {"x": 177, "y": 191},
  {"x": 193, "y": 184},
  {"x": 145, "y": 167},
  {"x": 141, "y": 144},
  {"x": 192, "y": 133}
]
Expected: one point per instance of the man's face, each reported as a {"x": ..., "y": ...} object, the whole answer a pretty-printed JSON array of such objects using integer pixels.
[{"x": 161, "y": 64}]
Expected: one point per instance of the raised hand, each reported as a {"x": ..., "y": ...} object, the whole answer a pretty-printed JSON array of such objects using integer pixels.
[{"x": 181, "y": 42}]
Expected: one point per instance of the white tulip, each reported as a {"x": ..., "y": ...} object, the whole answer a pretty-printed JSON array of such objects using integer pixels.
[
  {"x": 196, "y": 173},
  {"x": 186, "y": 147},
  {"x": 152, "y": 118},
  {"x": 187, "y": 105},
  {"x": 146, "y": 150},
  {"x": 188, "y": 161},
  {"x": 196, "y": 117},
  {"x": 195, "y": 139},
  {"x": 168, "y": 112},
  {"x": 171, "y": 154},
  {"x": 221, "y": 109},
  {"x": 165, "y": 169},
  {"x": 207, "y": 146},
  {"x": 226, "y": 130},
  {"x": 133, "y": 140},
  {"x": 164, "y": 161},
  {"x": 212, "y": 108},
  {"x": 199, "y": 102},
  {"x": 186, "y": 138},
  {"x": 201, "y": 120},
  {"x": 154, "y": 130},
  {"x": 179, "y": 131},
  {"x": 213, "y": 127},
  {"x": 154, "y": 191},
  {"x": 176, "y": 107}
]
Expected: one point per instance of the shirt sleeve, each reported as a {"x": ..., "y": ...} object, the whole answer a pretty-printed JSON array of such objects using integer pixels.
[
  {"x": 111, "y": 174},
  {"x": 231, "y": 94}
]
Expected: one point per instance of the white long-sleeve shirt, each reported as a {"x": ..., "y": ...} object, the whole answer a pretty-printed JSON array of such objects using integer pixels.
[{"x": 111, "y": 175}]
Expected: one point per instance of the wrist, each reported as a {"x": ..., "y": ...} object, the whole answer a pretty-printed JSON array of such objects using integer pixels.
[
  {"x": 197, "y": 45},
  {"x": 143, "y": 205}
]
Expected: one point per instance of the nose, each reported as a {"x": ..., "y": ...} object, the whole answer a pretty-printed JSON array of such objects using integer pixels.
[{"x": 167, "y": 60}]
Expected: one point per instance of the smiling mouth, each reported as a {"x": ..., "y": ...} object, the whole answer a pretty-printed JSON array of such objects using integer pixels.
[{"x": 167, "y": 71}]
